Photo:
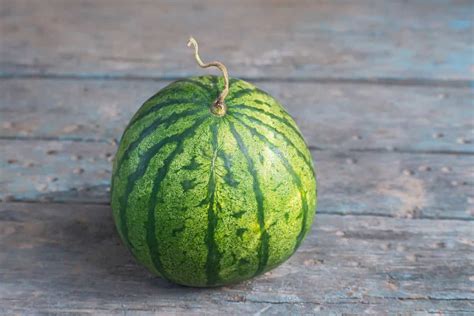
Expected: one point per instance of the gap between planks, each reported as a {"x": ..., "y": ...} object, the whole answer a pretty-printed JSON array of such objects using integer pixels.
[
  {"x": 385, "y": 81},
  {"x": 311, "y": 148},
  {"x": 339, "y": 214}
]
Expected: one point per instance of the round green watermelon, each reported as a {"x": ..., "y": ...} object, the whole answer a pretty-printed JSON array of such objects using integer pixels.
[{"x": 205, "y": 198}]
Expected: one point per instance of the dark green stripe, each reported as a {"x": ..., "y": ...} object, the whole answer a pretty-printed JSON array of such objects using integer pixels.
[
  {"x": 215, "y": 84},
  {"x": 169, "y": 102},
  {"x": 240, "y": 94},
  {"x": 204, "y": 87},
  {"x": 290, "y": 170},
  {"x": 177, "y": 85},
  {"x": 172, "y": 119},
  {"x": 141, "y": 169},
  {"x": 269, "y": 114},
  {"x": 264, "y": 237},
  {"x": 152, "y": 240},
  {"x": 173, "y": 86},
  {"x": 288, "y": 141},
  {"x": 247, "y": 91},
  {"x": 213, "y": 255},
  {"x": 233, "y": 80},
  {"x": 228, "y": 177}
]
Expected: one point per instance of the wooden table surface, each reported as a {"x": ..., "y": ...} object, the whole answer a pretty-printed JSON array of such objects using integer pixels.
[{"x": 383, "y": 93}]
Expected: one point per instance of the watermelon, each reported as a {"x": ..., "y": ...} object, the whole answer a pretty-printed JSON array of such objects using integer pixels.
[{"x": 205, "y": 196}]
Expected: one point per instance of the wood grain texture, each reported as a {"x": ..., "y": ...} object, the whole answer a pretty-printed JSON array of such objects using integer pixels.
[
  {"x": 385, "y": 184},
  {"x": 68, "y": 258},
  {"x": 331, "y": 116},
  {"x": 382, "y": 91},
  {"x": 368, "y": 40}
]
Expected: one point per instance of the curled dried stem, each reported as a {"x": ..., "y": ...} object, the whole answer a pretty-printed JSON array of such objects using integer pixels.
[{"x": 218, "y": 107}]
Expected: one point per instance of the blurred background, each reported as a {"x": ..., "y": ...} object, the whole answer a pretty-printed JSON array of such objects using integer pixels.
[{"x": 382, "y": 91}]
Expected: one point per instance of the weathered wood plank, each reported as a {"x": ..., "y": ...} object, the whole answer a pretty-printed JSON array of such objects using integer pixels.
[
  {"x": 67, "y": 258},
  {"x": 387, "y": 184},
  {"x": 431, "y": 40},
  {"x": 348, "y": 116}
]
